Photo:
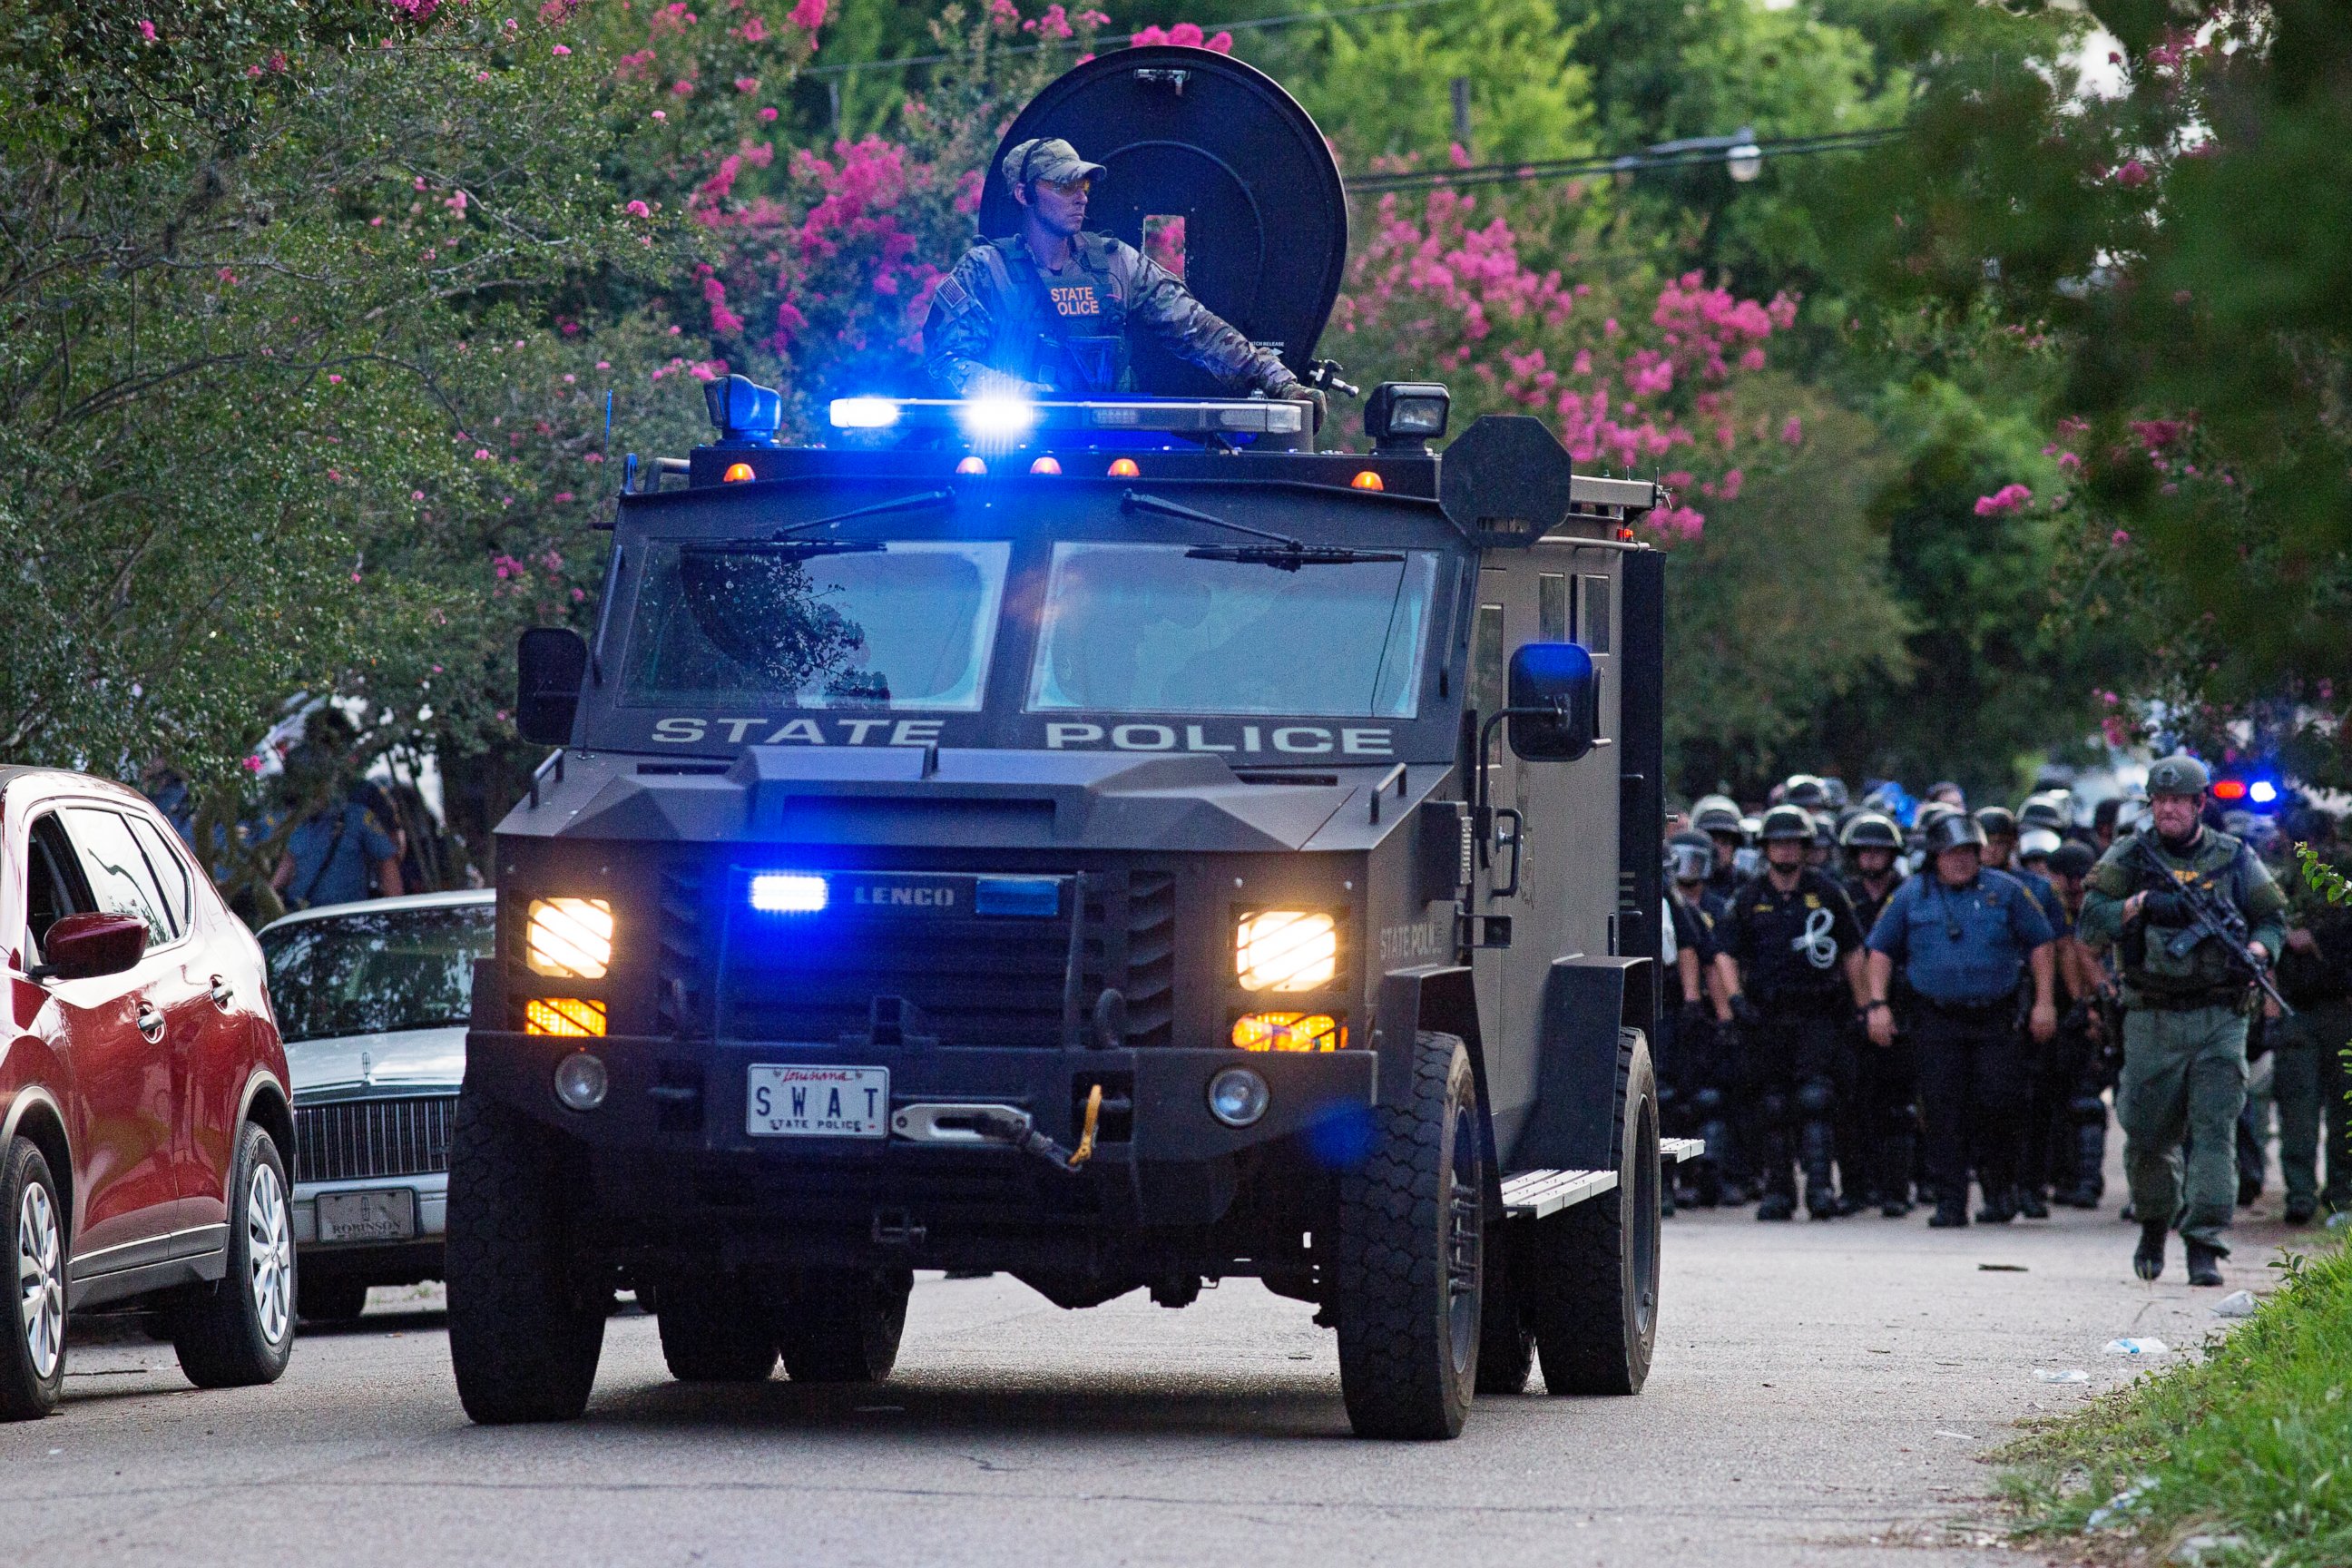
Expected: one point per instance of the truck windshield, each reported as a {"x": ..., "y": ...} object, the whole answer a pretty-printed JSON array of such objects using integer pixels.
[
  {"x": 1147, "y": 629},
  {"x": 908, "y": 625}
]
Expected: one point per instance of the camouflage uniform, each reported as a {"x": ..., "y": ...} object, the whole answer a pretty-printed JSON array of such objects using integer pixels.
[
  {"x": 2184, "y": 1029},
  {"x": 987, "y": 323}
]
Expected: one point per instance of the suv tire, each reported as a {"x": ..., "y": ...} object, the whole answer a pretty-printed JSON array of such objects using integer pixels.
[
  {"x": 524, "y": 1335},
  {"x": 842, "y": 1325},
  {"x": 714, "y": 1331},
  {"x": 240, "y": 1332},
  {"x": 1411, "y": 1231},
  {"x": 1594, "y": 1304},
  {"x": 33, "y": 1350}
]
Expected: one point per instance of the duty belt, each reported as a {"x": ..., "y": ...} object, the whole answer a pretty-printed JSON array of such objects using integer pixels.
[
  {"x": 1998, "y": 1004},
  {"x": 2186, "y": 1002}
]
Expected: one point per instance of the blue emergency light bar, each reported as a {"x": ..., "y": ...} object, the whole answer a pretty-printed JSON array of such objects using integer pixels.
[{"x": 1000, "y": 418}]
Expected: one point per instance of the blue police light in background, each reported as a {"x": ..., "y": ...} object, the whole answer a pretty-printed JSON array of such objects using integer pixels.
[{"x": 789, "y": 893}]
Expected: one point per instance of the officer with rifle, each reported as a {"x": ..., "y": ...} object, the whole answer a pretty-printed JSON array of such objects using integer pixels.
[{"x": 2195, "y": 920}]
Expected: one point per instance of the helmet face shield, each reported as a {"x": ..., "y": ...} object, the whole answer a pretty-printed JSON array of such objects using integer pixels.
[{"x": 1690, "y": 862}]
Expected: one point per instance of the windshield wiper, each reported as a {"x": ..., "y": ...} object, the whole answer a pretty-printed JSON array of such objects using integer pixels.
[
  {"x": 1280, "y": 550},
  {"x": 786, "y": 549},
  {"x": 922, "y": 500}
]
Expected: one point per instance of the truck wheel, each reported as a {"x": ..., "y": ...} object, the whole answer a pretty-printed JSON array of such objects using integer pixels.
[
  {"x": 714, "y": 1331},
  {"x": 1506, "y": 1344},
  {"x": 524, "y": 1336},
  {"x": 1410, "y": 1231},
  {"x": 33, "y": 1356},
  {"x": 331, "y": 1300},
  {"x": 241, "y": 1331},
  {"x": 1595, "y": 1298},
  {"x": 842, "y": 1325}
]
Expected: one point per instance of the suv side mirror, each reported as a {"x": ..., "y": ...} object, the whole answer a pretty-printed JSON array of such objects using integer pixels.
[
  {"x": 1555, "y": 679},
  {"x": 549, "y": 662},
  {"x": 82, "y": 947}
]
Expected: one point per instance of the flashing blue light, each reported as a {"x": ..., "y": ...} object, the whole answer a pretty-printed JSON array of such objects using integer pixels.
[
  {"x": 1026, "y": 898},
  {"x": 746, "y": 413},
  {"x": 864, "y": 412},
  {"x": 787, "y": 893},
  {"x": 2261, "y": 791},
  {"x": 997, "y": 418}
]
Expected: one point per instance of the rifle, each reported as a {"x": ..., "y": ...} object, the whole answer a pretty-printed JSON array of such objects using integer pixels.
[{"x": 2210, "y": 916}]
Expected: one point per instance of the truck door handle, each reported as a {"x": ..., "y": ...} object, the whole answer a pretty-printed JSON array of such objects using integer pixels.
[
  {"x": 1512, "y": 838},
  {"x": 150, "y": 1023},
  {"x": 221, "y": 992}
]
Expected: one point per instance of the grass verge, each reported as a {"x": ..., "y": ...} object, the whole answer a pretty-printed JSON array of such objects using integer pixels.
[{"x": 2250, "y": 1445}]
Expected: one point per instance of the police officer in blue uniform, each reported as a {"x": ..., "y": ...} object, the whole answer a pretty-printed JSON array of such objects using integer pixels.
[
  {"x": 1965, "y": 937},
  {"x": 1796, "y": 979}
]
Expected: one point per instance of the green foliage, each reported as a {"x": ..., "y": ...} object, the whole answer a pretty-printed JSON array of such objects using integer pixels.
[{"x": 2249, "y": 1441}]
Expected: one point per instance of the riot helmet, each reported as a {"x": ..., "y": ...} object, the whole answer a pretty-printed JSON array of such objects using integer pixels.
[
  {"x": 1953, "y": 830},
  {"x": 1786, "y": 822},
  {"x": 1690, "y": 857},
  {"x": 1803, "y": 791},
  {"x": 1871, "y": 830},
  {"x": 1834, "y": 794},
  {"x": 1997, "y": 822},
  {"x": 2043, "y": 811},
  {"x": 1717, "y": 814}
]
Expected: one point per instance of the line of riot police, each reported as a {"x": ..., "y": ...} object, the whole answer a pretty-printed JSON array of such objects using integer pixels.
[{"x": 1875, "y": 1004}]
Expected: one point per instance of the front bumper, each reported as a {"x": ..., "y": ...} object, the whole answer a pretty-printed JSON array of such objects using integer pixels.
[{"x": 673, "y": 1121}]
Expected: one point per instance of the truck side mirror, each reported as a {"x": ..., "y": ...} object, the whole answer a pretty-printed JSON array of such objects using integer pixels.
[
  {"x": 82, "y": 947},
  {"x": 549, "y": 662},
  {"x": 1555, "y": 680}
]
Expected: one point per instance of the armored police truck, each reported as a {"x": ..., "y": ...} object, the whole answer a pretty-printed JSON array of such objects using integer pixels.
[{"x": 1112, "y": 843}]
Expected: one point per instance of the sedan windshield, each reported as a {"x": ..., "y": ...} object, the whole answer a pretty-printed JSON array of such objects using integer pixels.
[
  {"x": 818, "y": 623},
  {"x": 1156, "y": 628},
  {"x": 375, "y": 971}
]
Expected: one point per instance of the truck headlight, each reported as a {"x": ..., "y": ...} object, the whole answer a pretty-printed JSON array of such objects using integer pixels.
[
  {"x": 1286, "y": 949},
  {"x": 568, "y": 937}
]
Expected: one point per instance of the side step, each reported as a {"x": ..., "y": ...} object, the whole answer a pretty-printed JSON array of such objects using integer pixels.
[{"x": 1531, "y": 1194}]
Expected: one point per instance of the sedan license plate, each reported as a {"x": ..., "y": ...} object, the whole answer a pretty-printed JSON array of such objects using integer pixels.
[
  {"x": 368, "y": 1216},
  {"x": 817, "y": 1103}
]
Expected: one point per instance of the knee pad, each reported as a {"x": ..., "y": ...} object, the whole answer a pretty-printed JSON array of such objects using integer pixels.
[
  {"x": 1707, "y": 1101},
  {"x": 1817, "y": 1098}
]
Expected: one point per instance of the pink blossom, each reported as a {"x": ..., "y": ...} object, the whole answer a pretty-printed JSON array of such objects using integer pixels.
[
  {"x": 682, "y": 89},
  {"x": 147, "y": 31},
  {"x": 661, "y": 114},
  {"x": 638, "y": 209},
  {"x": 2009, "y": 498},
  {"x": 334, "y": 381},
  {"x": 482, "y": 454},
  {"x": 753, "y": 31},
  {"x": 2133, "y": 172},
  {"x": 747, "y": 84},
  {"x": 1792, "y": 432},
  {"x": 416, "y": 495},
  {"x": 562, "y": 50},
  {"x": 562, "y": 496},
  {"x": 253, "y": 764},
  {"x": 2119, "y": 538},
  {"x": 809, "y": 15},
  {"x": 767, "y": 114}
]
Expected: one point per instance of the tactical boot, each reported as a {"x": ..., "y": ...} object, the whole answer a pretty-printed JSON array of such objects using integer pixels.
[
  {"x": 1813, "y": 1151},
  {"x": 1777, "y": 1205},
  {"x": 1951, "y": 1213},
  {"x": 1895, "y": 1208},
  {"x": 2205, "y": 1263},
  {"x": 2147, "y": 1260},
  {"x": 2030, "y": 1205},
  {"x": 1999, "y": 1206},
  {"x": 1707, "y": 1191},
  {"x": 2081, "y": 1195},
  {"x": 2299, "y": 1211}
]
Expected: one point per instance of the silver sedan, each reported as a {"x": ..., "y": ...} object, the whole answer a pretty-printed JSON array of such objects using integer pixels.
[{"x": 372, "y": 999}]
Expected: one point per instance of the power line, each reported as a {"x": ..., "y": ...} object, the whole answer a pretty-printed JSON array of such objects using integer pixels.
[
  {"x": 903, "y": 62},
  {"x": 1667, "y": 155}
]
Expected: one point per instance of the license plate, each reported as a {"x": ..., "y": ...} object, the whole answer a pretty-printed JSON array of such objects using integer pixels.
[
  {"x": 817, "y": 1103},
  {"x": 368, "y": 1216}
]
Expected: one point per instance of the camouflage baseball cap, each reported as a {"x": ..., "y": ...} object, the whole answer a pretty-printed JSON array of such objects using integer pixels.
[
  {"x": 2180, "y": 775},
  {"x": 1046, "y": 158}
]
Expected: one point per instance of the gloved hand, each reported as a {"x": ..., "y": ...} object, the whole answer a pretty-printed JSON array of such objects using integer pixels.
[
  {"x": 2166, "y": 907},
  {"x": 1296, "y": 391}
]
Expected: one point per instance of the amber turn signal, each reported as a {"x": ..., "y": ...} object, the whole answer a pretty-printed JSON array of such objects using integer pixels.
[
  {"x": 1124, "y": 468},
  {"x": 1366, "y": 480},
  {"x": 564, "y": 1016},
  {"x": 737, "y": 473},
  {"x": 1290, "y": 1032}
]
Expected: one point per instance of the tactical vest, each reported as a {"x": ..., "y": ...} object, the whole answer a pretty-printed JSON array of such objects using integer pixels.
[{"x": 2145, "y": 957}]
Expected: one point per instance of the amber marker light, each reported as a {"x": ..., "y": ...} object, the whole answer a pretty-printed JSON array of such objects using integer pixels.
[
  {"x": 737, "y": 473},
  {"x": 1046, "y": 465},
  {"x": 565, "y": 1017},
  {"x": 1366, "y": 480},
  {"x": 1286, "y": 949},
  {"x": 971, "y": 465},
  {"x": 1124, "y": 468},
  {"x": 1290, "y": 1032}
]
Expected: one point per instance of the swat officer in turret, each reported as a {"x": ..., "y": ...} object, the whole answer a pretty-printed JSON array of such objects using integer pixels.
[
  {"x": 1794, "y": 952},
  {"x": 2185, "y": 1012},
  {"x": 1045, "y": 312}
]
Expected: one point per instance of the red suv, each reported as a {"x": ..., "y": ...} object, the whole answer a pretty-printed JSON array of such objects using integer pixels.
[{"x": 142, "y": 1095}]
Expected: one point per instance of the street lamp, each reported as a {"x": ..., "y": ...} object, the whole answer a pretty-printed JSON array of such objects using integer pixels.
[{"x": 1743, "y": 159}]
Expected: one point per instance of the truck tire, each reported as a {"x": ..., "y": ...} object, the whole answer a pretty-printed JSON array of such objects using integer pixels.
[
  {"x": 524, "y": 1336},
  {"x": 33, "y": 1355},
  {"x": 1594, "y": 1304},
  {"x": 842, "y": 1325},
  {"x": 1506, "y": 1344},
  {"x": 240, "y": 1332},
  {"x": 1411, "y": 1232},
  {"x": 714, "y": 1331}
]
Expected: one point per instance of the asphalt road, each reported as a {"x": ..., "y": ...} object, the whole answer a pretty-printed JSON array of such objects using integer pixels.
[{"x": 1822, "y": 1394}]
